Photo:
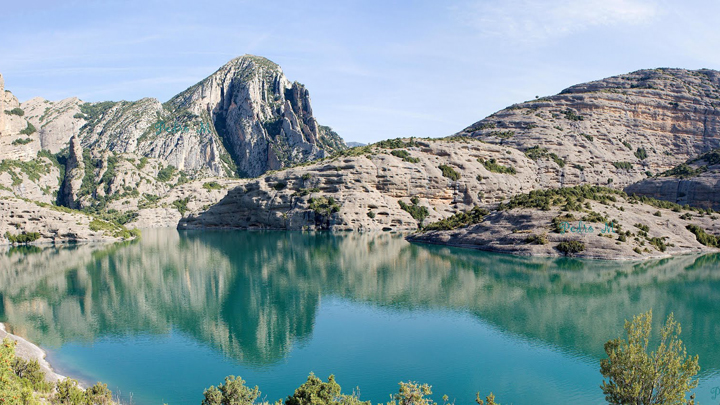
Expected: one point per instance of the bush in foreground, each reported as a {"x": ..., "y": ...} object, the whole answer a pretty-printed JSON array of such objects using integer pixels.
[
  {"x": 23, "y": 382},
  {"x": 663, "y": 376}
]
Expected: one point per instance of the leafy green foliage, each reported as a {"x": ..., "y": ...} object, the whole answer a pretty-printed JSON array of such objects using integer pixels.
[
  {"x": 412, "y": 393},
  {"x": 324, "y": 208},
  {"x": 493, "y": 166},
  {"x": 141, "y": 164},
  {"x": 21, "y": 141},
  {"x": 570, "y": 247},
  {"x": 23, "y": 382},
  {"x": 94, "y": 111},
  {"x": 568, "y": 196},
  {"x": 396, "y": 143},
  {"x": 273, "y": 127},
  {"x": 23, "y": 238},
  {"x": 459, "y": 220},
  {"x": 212, "y": 185},
  {"x": 502, "y": 134},
  {"x": 68, "y": 392},
  {"x": 588, "y": 137},
  {"x": 166, "y": 173},
  {"x": 537, "y": 152},
  {"x": 419, "y": 213},
  {"x": 490, "y": 400},
  {"x": 232, "y": 392},
  {"x": 404, "y": 155},
  {"x": 98, "y": 394},
  {"x": 659, "y": 243},
  {"x": 572, "y": 115},
  {"x": 537, "y": 239},
  {"x": 449, "y": 172},
  {"x": 636, "y": 376},
  {"x": 683, "y": 170},
  {"x": 703, "y": 237},
  {"x": 641, "y": 153},
  {"x": 371, "y": 214},
  {"x": 623, "y": 165},
  {"x": 315, "y": 391},
  {"x": 114, "y": 229},
  {"x": 29, "y": 129},
  {"x": 480, "y": 126},
  {"x": 11, "y": 389},
  {"x": 15, "y": 111},
  {"x": 305, "y": 191},
  {"x": 627, "y": 145},
  {"x": 181, "y": 205},
  {"x": 594, "y": 217},
  {"x": 33, "y": 169},
  {"x": 31, "y": 373}
]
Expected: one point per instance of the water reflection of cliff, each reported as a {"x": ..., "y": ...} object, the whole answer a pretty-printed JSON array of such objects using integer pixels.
[{"x": 253, "y": 295}]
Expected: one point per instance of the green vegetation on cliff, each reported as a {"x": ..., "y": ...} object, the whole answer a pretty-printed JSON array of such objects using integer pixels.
[
  {"x": 29, "y": 129},
  {"x": 537, "y": 152},
  {"x": 23, "y": 238},
  {"x": 449, "y": 172},
  {"x": 460, "y": 220},
  {"x": 493, "y": 166},
  {"x": 15, "y": 111},
  {"x": 418, "y": 212},
  {"x": 704, "y": 237}
]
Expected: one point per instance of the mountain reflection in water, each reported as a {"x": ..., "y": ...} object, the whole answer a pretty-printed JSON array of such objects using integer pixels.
[{"x": 253, "y": 295}]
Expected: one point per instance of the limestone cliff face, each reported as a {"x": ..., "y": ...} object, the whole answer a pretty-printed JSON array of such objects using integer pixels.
[
  {"x": 18, "y": 138},
  {"x": 264, "y": 120},
  {"x": 616, "y": 129},
  {"x": 56, "y": 121}
]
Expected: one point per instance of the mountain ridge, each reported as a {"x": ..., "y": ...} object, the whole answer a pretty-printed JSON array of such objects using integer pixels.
[{"x": 611, "y": 132}]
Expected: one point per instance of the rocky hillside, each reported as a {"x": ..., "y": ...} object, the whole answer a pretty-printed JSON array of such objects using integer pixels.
[
  {"x": 392, "y": 185},
  {"x": 582, "y": 221},
  {"x": 614, "y": 131}
]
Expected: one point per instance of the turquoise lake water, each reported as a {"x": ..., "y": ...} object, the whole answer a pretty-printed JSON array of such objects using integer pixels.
[{"x": 162, "y": 319}]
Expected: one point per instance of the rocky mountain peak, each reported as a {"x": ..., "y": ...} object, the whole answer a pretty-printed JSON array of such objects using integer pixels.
[{"x": 265, "y": 121}]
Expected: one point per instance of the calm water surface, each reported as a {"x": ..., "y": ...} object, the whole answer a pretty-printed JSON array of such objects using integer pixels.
[{"x": 162, "y": 319}]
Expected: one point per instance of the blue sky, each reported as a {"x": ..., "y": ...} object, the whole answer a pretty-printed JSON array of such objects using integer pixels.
[{"x": 375, "y": 69}]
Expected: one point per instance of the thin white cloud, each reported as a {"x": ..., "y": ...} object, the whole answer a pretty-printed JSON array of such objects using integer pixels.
[{"x": 534, "y": 21}]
